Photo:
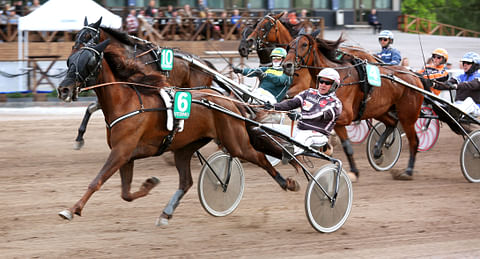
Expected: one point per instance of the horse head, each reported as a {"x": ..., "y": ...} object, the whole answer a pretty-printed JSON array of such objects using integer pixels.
[
  {"x": 83, "y": 67},
  {"x": 89, "y": 33},
  {"x": 245, "y": 46},
  {"x": 300, "y": 53}
]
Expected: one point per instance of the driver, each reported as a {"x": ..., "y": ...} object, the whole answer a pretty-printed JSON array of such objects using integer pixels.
[
  {"x": 274, "y": 83},
  {"x": 388, "y": 54},
  {"x": 320, "y": 108}
]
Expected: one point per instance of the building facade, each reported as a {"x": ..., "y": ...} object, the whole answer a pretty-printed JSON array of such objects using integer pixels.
[{"x": 335, "y": 12}]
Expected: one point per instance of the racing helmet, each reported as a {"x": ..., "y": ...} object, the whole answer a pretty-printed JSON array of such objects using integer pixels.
[
  {"x": 471, "y": 57},
  {"x": 331, "y": 74},
  {"x": 386, "y": 34},
  {"x": 278, "y": 52},
  {"x": 441, "y": 52}
]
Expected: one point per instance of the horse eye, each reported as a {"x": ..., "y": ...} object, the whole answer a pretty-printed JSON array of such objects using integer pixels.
[{"x": 304, "y": 44}]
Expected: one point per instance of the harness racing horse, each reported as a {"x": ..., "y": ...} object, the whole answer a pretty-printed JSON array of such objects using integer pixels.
[
  {"x": 267, "y": 34},
  {"x": 182, "y": 74},
  {"x": 136, "y": 119},
  {"x": 390, "y": 103}
]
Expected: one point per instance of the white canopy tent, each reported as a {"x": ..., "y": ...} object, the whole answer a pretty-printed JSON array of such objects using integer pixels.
[{"x": 61, "y": 15}]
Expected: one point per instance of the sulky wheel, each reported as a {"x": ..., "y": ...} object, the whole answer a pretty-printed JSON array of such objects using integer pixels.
[
  {"x": 357, "y": 131},
  {"x": 390, "y": 150},
  {"x": 320, "y": 213},
  {"x": 470, "y": 157},
  {"x": 220, "y": 189},
  {"x": 427, "y": 129}
]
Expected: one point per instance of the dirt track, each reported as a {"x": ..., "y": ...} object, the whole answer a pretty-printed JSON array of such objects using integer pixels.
[{"x": 436, "y": 215}]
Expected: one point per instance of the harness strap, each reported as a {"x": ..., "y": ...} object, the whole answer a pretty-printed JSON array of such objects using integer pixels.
[{"x": 364, "y": 86}]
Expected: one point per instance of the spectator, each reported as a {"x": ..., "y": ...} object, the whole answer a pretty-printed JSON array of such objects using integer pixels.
[
  {"x": 201, "y": 9},
  {"x": 388, "y": 55},
  {"x": 437, "y": 71},
  {"x": 162, "y": 21},
  {"x": 132, "y": 22},
  {"x": 169, "y": 11},
  {"x": 303, "y": 15},
  {"x": 151, "y": 11},
  {"x": 13, "y": 17},
  {"x": 292, "y": 18},
  {"x": 187, "y": 11},
  {"x": 35, "y": 6},
  {"x": 234, "y": 19},
  {"x": 373, "y": 20},
  {"x": 19, "y": 8}
]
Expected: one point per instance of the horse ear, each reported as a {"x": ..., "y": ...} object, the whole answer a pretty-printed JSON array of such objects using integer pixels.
[
  {"x": 100, "y": 47},
  {"x": 97, "y": 24},
  {"x": 85, "y": 22},
  {"x": 316, "y": 33}
]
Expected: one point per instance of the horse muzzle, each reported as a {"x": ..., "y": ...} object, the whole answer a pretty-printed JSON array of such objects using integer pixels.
[
  {"x": 288, "y": 68},
  {"x": 67, "y": 91}
]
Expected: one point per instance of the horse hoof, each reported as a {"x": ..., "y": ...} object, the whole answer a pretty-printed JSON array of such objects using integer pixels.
[
  {"x": 153, "y": 180},
  {"x": 401, "y": 176},
  {"x": 78, "y": 144},
  {"x": 161, "y": 222},
  {"x": 66, "y": 214},
  {"x": 353, "y": 177},
  {"x": 292, "y": 185}
]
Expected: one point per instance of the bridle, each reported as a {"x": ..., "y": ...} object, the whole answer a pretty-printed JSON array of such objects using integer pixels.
[
  {"x": 302, "y": 61},
  {"x": 86, "y": 80},
  {"x": 90, "y": 30},
  {"x": 261, "y": 41}
]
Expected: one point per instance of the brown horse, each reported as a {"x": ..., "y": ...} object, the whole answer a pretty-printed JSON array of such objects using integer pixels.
[
  {"x": 143, "y": 133},
  {"x": 270, "y": 32},
  {"x": 182, "y": 74},
  {"x": 389, "y": 103}
]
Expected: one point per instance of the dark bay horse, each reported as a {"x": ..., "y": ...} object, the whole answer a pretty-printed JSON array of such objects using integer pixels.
[
  {"x": 389, "y": 103},
  {"x": 145, "y": 134},
  {"x": 182, "y": 74}
]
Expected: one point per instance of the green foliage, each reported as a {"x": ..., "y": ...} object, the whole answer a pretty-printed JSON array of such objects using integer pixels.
[{"x": 460, "y": 13}]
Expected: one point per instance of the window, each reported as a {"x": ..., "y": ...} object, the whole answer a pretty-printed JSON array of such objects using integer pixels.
[
  {"x": 321, "y": 4},
  {"x": 383, "y": 4},
  {"x": 302, "y": 3},
  {"x": 345, "y": 4},
  {"x": 215, "y": 4},
  {"x": 277, "y": 4}
]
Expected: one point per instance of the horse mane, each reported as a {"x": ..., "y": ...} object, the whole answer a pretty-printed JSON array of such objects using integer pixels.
[
  {"x": 291, "y": 29},
  {"x": 129, "y": 70},
  {"x": 329, "y": 48}
]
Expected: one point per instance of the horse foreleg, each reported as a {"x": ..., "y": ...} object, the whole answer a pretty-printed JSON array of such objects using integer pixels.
[
  {"x": 79, "y": 141},
  {"x": 126, "y": 174},
  {"x": 113, "y": 163},
  {"x": 348, "y": 150}
]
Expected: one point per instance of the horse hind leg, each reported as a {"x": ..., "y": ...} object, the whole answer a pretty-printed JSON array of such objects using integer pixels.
[
  {"x": 79, "y": 141},
  {"x": 182, "y": 162},
  {"x": 348, "y": 150},
  {"x": 126, "y": 174},
  {"x": 413, "y": 145}
]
